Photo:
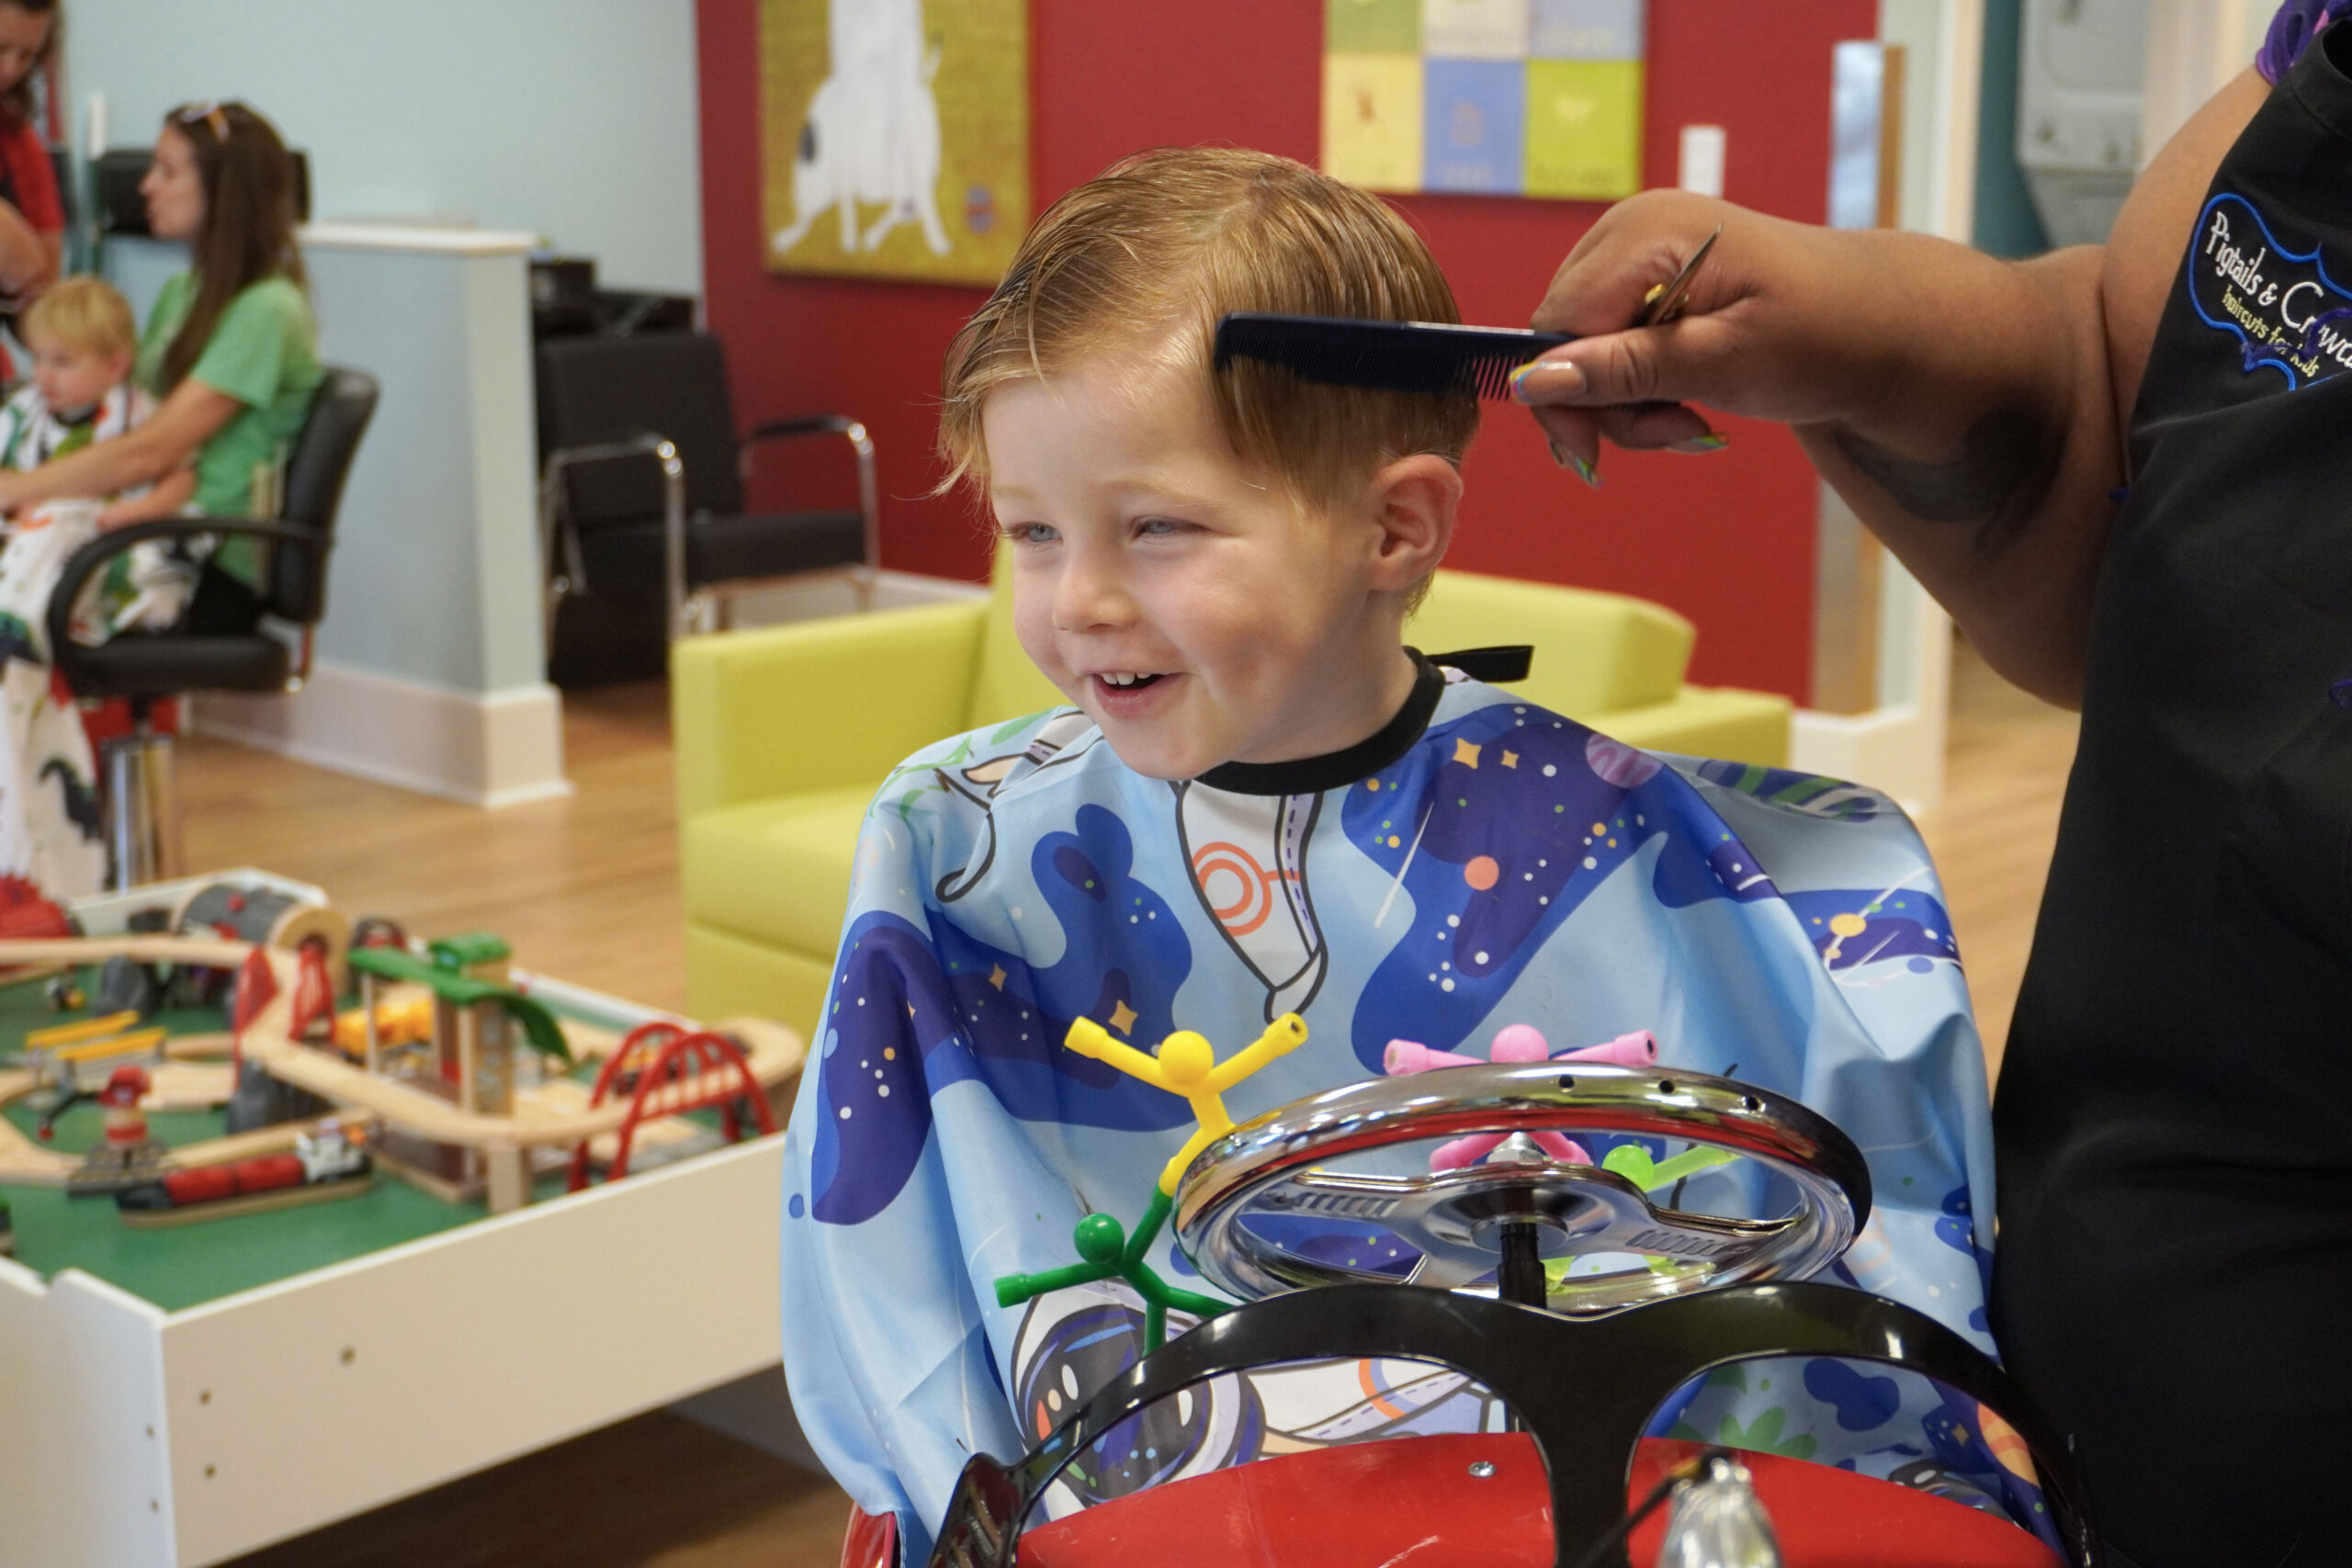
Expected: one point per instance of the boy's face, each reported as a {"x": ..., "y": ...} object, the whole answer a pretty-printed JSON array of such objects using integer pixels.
[
  {"x": 71, "y": 378},
  {"x": 1142, "y": 546}
]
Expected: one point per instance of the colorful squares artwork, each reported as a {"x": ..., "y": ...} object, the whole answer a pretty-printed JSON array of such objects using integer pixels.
[
  {"x": 1475, "y": 29},
  {"x": 1584, "y": 128},
  {"x": 1372, "y": 26},
  {"x": 1475, "y": 133},
  {"x": 1514, "y": 97},
  {"x": 1372, "y": 118},
  {"x": 1585, "y": 30}
]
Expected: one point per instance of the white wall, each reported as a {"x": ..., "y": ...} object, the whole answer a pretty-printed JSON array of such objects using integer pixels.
[
  {"x": 2195, "y": 47},
  {"x": 573, "y": 120}
]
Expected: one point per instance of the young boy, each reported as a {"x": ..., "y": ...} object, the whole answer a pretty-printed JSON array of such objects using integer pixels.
[
  {"x": 1260, "y": 803},
  {"x": 84, "y": 341}
]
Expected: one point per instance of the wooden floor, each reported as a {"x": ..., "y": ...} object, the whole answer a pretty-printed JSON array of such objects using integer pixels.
[
  {"x": 2007, "y": 756},
  {"x": 584, "y": 888},
  {"x": 587, "y": 889}
]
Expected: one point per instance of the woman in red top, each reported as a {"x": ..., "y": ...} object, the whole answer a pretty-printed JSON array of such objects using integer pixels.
[{"x": 32, "y": 218}]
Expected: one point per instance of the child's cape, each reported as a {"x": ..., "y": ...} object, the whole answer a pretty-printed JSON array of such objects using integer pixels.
[
  {"x": 1511, "y": 867},
  {"x": 147, "y": 586},
  {"x": 31, "y": 432}
]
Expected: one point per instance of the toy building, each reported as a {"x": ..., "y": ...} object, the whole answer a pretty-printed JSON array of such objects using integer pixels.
[{"x": 471, "y": 1057}]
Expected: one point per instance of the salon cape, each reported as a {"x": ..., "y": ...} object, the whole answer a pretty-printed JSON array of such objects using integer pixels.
[{"x": 1510, "y": 866}]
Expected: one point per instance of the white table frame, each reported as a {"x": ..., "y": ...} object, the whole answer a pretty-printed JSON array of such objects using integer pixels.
[{"x": 135, "y": 1438}]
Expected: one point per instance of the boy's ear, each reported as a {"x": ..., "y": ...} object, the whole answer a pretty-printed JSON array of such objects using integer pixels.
[{"x": 1413, "y": 502}]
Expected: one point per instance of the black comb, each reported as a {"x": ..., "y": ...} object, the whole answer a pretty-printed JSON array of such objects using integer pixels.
[
  {"x": 1421, "y": 356},
  {"x": 1389, "y": 357}
]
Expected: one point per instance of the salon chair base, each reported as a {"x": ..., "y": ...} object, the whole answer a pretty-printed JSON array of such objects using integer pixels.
[{"x": 141, "y": 816}]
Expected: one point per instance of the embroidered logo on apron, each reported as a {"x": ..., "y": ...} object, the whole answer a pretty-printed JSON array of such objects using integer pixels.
[{"x": 2287, "y": 313}]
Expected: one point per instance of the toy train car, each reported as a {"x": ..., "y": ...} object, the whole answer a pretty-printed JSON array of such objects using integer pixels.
[{"x": 325, "y": 1166}]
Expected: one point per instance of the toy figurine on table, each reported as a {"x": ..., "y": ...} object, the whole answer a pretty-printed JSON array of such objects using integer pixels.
[
  {"x": 1263, "y": 805},
  {"x": 126, "y": 1155}
]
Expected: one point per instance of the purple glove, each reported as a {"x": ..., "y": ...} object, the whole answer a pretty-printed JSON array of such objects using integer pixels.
[{"x": 2296, "y": 23}]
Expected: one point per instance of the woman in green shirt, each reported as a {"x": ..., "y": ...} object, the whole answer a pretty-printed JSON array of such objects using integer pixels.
[{"x": 230, "y": 350}]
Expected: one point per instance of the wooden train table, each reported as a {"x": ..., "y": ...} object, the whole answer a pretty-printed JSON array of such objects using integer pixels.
[{"x": 182, "y": 1394}]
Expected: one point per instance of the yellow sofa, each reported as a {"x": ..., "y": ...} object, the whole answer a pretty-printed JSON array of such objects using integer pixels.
[{"x": 784, "y": 735}]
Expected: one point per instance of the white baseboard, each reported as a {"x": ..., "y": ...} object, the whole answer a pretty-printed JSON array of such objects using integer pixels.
[
  {"x": 1898, "y": 751},
  {"x": 486, "y": 748}
]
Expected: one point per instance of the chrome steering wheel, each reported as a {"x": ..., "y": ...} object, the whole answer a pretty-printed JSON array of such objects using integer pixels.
[{"x": 1505, "y": 1218}]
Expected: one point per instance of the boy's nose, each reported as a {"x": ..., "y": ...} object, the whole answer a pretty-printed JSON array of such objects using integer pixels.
[{"x": 1089, "y": 596}]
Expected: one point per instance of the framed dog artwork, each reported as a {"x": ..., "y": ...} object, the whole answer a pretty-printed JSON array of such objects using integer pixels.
[{"x": 896, "y": 135}]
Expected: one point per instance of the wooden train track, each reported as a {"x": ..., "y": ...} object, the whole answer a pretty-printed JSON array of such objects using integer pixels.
[{"x": 558, "y": 1117}]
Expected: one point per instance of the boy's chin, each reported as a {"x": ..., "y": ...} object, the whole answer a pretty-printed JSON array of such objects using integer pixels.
[
  {"x": 1143, "y": 754},
  {"x": 1153, "y": 748}
]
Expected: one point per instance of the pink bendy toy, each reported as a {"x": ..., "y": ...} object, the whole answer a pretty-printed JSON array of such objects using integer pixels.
[{"x": 1515, "y": 1043}]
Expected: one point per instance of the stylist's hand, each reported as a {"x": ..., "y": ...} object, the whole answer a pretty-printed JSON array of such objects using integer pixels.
[{"x": 1784, "y": 321}]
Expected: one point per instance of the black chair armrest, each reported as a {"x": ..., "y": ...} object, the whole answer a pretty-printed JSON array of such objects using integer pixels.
[
  {"x": 646, "y": 444},
  {"x": 809, "y": 425},
  {"x": 86, "y": 562},
  {"x": 559, "y": 530},
  {"x": 860, "y": 443}
]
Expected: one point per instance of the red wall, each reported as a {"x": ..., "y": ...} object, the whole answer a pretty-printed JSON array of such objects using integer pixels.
[{"x": 1727, "y": 539}]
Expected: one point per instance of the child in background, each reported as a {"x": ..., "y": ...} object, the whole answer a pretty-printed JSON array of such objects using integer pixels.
[
  {"x": 1259, "y": 803},
  {"x": 84, "y": 341}
]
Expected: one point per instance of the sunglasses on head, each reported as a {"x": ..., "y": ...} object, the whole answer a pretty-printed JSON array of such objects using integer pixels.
[
  {"x": 1585, "y": 1390},
  {"x": 208, "y": 113}
]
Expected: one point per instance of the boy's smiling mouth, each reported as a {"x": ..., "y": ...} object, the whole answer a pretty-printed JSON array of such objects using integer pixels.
[{"x": 1128, "y": 693}]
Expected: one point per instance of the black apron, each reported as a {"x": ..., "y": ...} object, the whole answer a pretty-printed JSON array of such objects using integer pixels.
[{"x": 2174, "y": 1274}]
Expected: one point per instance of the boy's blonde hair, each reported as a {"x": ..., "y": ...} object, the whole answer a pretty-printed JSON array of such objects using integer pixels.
[
  {"x": 1169, "y": 240},
  {"x": 85, "y": 313}
]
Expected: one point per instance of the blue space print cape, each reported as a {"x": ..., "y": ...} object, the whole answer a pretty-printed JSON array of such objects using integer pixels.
[{"x": 1510, "y": 867}]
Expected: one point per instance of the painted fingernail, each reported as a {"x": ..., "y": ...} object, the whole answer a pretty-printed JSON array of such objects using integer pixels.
[
  {"x": 1576, "y": 465},
  {"x": 1558, "y": 377},
  {"x": 1714, "y": 441}
]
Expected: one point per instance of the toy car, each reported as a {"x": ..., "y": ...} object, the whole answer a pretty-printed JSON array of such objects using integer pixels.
[{"x": 1562, "y": 1288}]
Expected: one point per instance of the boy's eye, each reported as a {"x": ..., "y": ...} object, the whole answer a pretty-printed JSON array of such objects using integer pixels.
[
  {"x": 1161, "y": 526},
  {"x": 1030, "y": 533}
]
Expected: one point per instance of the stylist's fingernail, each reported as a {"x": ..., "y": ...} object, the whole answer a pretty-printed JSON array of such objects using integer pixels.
[
  {"x": 1576, "y": 465},
  {"x": 1553, "y": 378},
  {"x": 1714, "y": 441}
]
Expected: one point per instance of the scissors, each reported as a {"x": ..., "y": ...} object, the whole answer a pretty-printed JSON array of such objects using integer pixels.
[{"x": 1664, "y": 301}]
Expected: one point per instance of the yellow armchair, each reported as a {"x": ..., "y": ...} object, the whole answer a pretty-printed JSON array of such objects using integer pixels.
[{"x": 784, "y": 735}]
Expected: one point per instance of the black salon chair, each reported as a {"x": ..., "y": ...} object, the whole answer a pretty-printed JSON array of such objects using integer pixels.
[
  {"x": 641, "y": 487},
  {"x": 140, "y": 810}
]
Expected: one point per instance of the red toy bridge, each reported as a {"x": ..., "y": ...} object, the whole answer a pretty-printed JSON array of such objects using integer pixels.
[{"x": 668, "y": 1070}]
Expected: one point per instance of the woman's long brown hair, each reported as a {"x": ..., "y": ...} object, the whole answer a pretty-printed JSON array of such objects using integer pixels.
[
  {"x": 18, "y": 100},
  {"x": 247, "y": 230}
]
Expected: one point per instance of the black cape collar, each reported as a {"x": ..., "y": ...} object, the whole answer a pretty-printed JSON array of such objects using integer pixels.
[{"x": 1336, "y": 770}]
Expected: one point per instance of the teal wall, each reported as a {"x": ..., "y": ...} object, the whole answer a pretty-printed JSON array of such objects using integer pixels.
[
  {"x": 574, "y": 120},
  {"x": 2006, "y": 223}
]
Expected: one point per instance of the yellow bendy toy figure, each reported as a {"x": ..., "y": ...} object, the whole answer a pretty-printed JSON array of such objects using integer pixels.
[{"x": 1187, "y": 1065}]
